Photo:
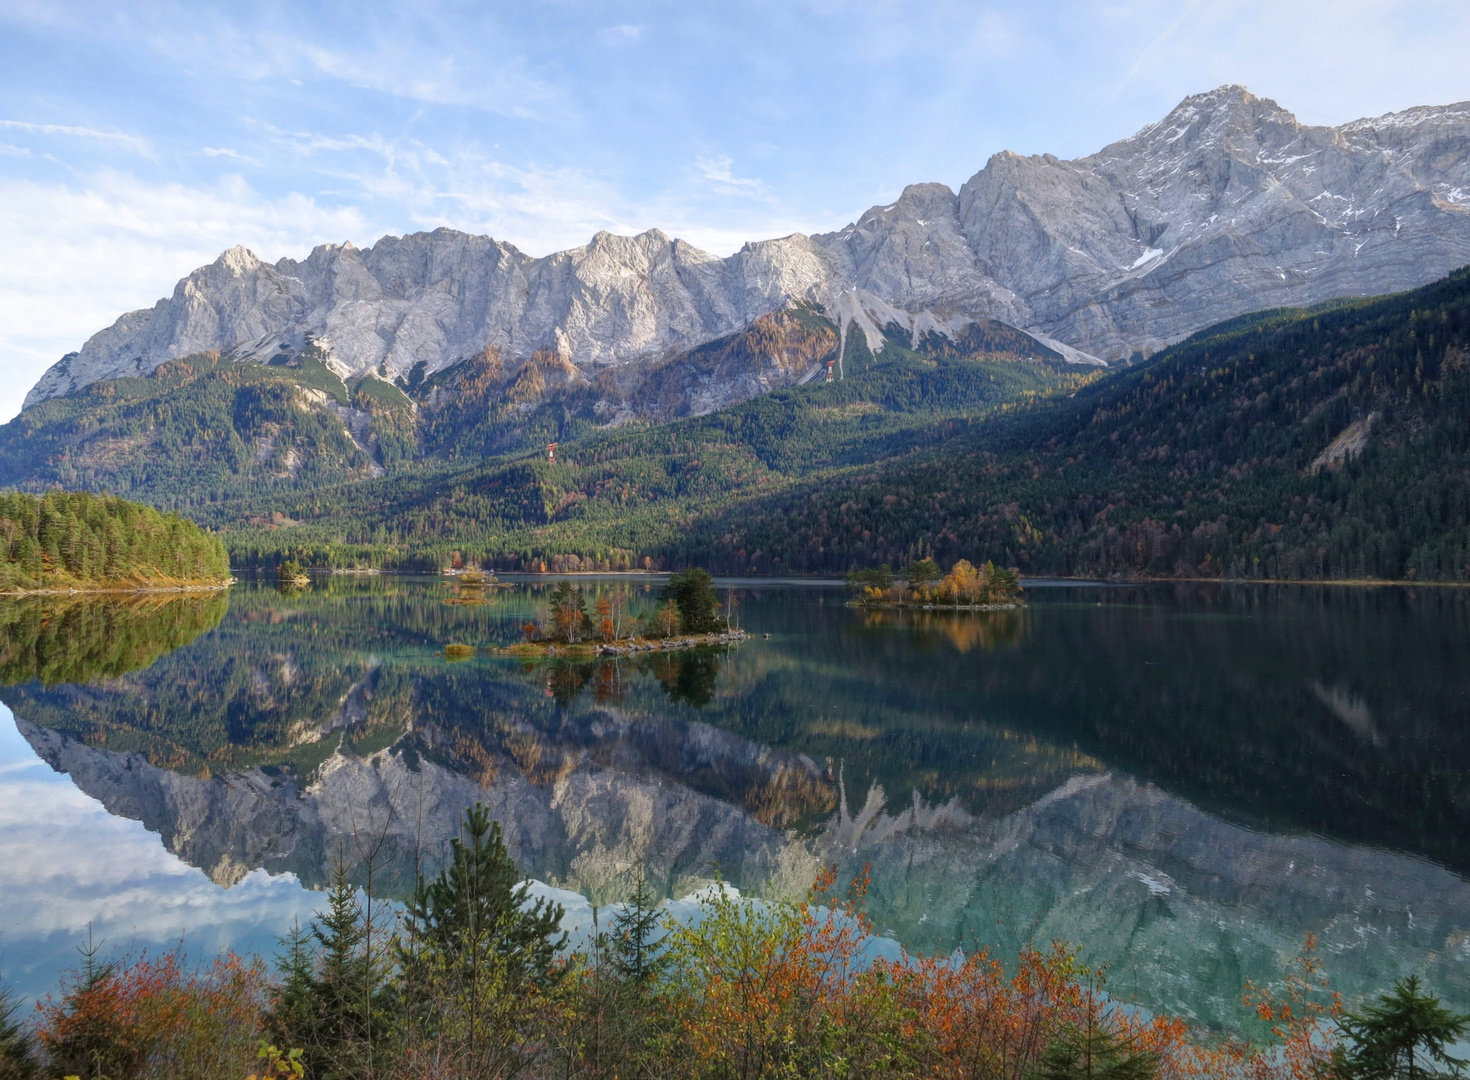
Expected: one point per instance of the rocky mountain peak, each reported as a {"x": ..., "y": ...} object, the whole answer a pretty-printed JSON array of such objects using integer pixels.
[
  {"x": 1226, "y": 205},
  {"x": 238, "y": 260}
]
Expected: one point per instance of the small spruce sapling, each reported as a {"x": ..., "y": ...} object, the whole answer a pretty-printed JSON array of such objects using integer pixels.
[{"x": 636, "y": 942}]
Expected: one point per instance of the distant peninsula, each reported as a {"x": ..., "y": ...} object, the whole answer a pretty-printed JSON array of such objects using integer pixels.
[{"x": 74, "y": 541}]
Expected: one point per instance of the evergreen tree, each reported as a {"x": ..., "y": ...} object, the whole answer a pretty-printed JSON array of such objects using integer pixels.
[
  {"x": 1403, "y": 1036},
  {"x": 478, "y": 908},
  {"x": 922, "y": 572},
  {"x": 331, "y": 996},
  {"x": 17, "y": 1052},
  {"x": 620, "y": 1022},
  {"x": 635, "y": 939},
  {"x": 693, "y": 593},
  {"x": 1005, "y": 582},
  {"x": 1093, "y": 1051},
  {"x": 880, "y": 577},
  {"x": 291, "y": 1021},
  {"x": 346, "y": 982},
  {"x": 477, "y": 955}
]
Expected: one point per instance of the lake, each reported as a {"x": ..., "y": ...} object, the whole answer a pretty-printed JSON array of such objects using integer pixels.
[{"x": 1185, "y": 780}]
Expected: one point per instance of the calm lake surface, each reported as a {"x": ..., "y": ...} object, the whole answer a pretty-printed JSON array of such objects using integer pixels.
[{"x": 1185, "y": 780}]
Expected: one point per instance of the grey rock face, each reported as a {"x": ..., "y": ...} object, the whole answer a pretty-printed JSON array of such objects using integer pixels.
[{"x": 1226, "y": 205}]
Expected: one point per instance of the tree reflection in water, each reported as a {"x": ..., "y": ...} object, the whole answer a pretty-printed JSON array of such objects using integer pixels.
[
  {"x": 688, "y": 677},
  {"x": 85, "y": 639},
  {"x": 963, "y": 630}
]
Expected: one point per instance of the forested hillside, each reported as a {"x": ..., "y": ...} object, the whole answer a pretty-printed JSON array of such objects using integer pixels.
[
  {"x": 203, "y": 428},
  {"x": 1327, "y": 443},
  {"x": 615, "y": 498},
  {"x": 75, "y": 540},
  {"x": 239, "y": 442}
]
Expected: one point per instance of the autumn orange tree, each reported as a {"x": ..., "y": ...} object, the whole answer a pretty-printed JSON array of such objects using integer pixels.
[
  {"x": 765, "y": 989},
  {"x": 154, "y": 1017}
]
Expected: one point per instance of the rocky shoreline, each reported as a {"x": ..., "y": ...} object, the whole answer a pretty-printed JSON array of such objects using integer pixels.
[
  {"x": 625, "y": 647},
  {"x": 119, "y": 589}
]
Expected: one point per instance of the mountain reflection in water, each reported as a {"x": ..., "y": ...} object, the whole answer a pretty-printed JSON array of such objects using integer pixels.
[{"x": 1185, "y": 780}]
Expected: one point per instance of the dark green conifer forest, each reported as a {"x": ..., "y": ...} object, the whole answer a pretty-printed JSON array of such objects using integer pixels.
[{"x": 76, "y": 540}]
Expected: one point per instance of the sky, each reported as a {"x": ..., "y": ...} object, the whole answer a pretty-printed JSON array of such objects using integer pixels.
[{"x": 137, "y": 141}]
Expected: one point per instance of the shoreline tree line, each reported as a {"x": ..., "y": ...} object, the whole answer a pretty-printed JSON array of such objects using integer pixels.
[{"x": 76, "y": 540}]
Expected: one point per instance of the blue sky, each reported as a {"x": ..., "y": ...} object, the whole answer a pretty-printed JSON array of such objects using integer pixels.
[{"x": 139, "y": 140}]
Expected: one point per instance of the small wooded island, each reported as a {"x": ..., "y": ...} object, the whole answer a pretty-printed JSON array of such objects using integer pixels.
[
  {"x": 923, "y": 584},
  {"x": 74, "y": 541},
  {"x": 687, "y": 617}
]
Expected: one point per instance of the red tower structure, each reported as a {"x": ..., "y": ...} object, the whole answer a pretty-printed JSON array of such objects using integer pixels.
[
  {"x": 830, "y": 364},
  {"x": 551, "y": 451}
]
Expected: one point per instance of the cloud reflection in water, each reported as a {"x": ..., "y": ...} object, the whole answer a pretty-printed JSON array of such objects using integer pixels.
[{"x": 69, "y": 863}]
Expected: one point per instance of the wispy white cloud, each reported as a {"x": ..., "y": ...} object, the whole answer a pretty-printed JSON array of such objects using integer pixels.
[
  {"x": 128, "y": 142},
  {"x": 401, "y": 69},
  {"x": 226, "y": 152},
  {"x": 718, "y": 170}
]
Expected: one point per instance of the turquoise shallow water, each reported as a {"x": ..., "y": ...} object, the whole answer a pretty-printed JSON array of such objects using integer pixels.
[{"x": 1186, "y": 780}]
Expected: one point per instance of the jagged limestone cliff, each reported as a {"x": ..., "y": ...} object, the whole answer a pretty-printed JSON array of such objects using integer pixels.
[{"x": 1227, "y": 205}]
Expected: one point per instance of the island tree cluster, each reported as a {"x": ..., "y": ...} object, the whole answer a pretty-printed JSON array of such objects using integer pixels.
[
  {"x": 924, "y": 584},
  {"x": 688, "y": 604}
]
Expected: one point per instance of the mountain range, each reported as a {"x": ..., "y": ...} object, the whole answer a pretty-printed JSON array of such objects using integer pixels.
[
  {"x": 393, "y": 405},
  {"x": 1227, "y": 205}
]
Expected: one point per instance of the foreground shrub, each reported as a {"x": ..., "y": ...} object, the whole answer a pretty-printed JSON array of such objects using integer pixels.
[{"x": 154, "y": 1018}]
